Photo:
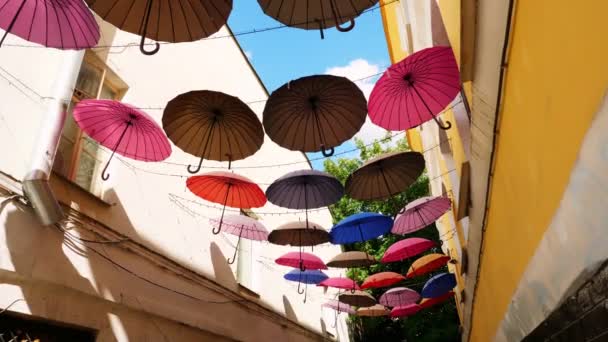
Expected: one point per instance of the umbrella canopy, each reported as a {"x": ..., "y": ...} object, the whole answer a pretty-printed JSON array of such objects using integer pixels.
[
  {"x": 303, "y": 261},
  {"x": 360, "y": 227},
  {"x": 212, "y": 125},
  {"x": 122, "y": 128},
  {"x": 242, "y": 226},
  {"x": 352, "y": 259},
  {"x": 338, "y": 306},
  {"x": 306, "y": 277},
  {"x": 373, "y": 311},
  {"x": 438, "y": 285},
  {"x": 228, "y": 189},
  {"x": 314, "y": 14},
  {"x": 399, "y": 296},
  {"x": 305, "y": 189},
  {"x": 315, "y": 113},
  {"x": 358, "y": 298},
  {"x": 164, "y": 20},
  {"x": 406, "y": 248},
  {"x": 340, "y": 283},
  {"x": 426, "y": 264},
  {"x": 58, "y": 24},
  {"x": 406, "y": 310},
  {"x": 298, "y": 233},
  {"x": 415, "y": 90},
  {"x": 428, "y": 302},
  {"x": 382, "y": 279},
  {"x": 384, "y": 176},
  {"x": 420, "y": 213}
]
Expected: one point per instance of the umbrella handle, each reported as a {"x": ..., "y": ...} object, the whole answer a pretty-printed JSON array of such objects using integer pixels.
[
  {"x": 198, "y": 168},
  {"x": 302, "y": 291},
  {"x": 351, "y": 24},
  {"x": 327, "y": 152},
  {"x": 445, "y": 126},
  {"x": 236, "y": 249},
  {"x": 145, "y": 31},
  {"x": 305, "y": 292},
  {"x": 104, "y": 173},
  {"x": 12, "y": 23},
  {"x": 320, "y": 28}
]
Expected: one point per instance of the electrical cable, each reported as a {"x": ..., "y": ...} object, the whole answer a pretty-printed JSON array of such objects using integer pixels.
[{"x": 11, "y": 304}]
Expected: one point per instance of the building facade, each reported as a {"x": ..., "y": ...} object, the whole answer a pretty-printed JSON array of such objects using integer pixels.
[
  {"x": 135, "y": 260},
  {"x": 529, "y": 159}
]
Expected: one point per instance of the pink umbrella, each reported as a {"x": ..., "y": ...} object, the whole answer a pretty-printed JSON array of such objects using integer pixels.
[
  {"x": 243, "y": 227},
  {"x": 61, "y": 24},
  {"x": 108, "y": 122},
  {"x": 406, "y": 310},
  {"x": 399, "y": 296},
  {"x": 305, "y": 261},
  {"x": 415, "y": 90},
  {"x": 339, "y": 306},
  {"x": 340, "y": 283},
  {"x": 406, "y": 248},
  {"x": 420, "y": 213}
]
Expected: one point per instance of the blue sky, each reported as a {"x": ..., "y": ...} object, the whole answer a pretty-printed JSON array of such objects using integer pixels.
[{"x": 289, "y": 53}]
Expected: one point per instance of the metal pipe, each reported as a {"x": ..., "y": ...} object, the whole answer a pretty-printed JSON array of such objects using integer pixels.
[{"x": 36, "y": 181}]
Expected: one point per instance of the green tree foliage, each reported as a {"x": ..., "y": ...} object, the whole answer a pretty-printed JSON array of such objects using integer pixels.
[{"x": 438, "y": 323}]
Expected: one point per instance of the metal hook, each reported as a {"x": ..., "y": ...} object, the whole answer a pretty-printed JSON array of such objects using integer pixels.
[
  {"x": 327, "y": 152},
  {"x": 144, "y": 30},
  {"x": 351, "y": 24},
  {"x": 200, "y": 163},
  {"x": 447, "y": 125}
]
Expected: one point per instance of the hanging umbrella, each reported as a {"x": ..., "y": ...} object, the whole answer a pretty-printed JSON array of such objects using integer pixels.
[
  {"x": 242, "y": 226},
  {"x": 360, "y": 227},
  {"x": 382, "y": 279},
  {"x": 384, "y": 176},
  {"x": 164, "y": 20},
  {"x": 297, "y": 233},
  {"x": 227, "y": 189},
  {"x": 338, "y": 306},
  {"x": 428, "y": 302},
  {"x": 340, "y": 283},
  {"x": 420, "y": 213},
  {"x": 123, "y": 129},
  {"x": 406, "y": 310},
  {"x": 373, "y": 311},
  {"x": 315, "y": 14},
  {"x": 315, "y": 113},
  {"x": 212, "y": 125},
  {"x": 415, "y": 90},
  {"x": 359, "y": 299},
  {"x": 305, "y": 189},
  {"x": 301, "y": 260},
  {"x": 406, "y": 248},
  {"x": 426, "y": 264},
  {"x": 305, "y": 277},
  {"x": 352, "y": 259},
  {"x": 399, "y": 296},
  {"x": 438, "y": 285},
  {"x": 57, "y": 24}
]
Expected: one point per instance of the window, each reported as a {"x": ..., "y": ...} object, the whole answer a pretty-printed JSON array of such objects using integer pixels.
[
  {"x": 79, "y": 158},
  {"x": 247, "y": 256}
]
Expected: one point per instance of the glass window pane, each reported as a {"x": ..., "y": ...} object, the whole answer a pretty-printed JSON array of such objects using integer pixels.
[
  {"x": 85, "y": 171},
  {"x": 88, "y": 80},
  {"x": 107, "y": 93}
]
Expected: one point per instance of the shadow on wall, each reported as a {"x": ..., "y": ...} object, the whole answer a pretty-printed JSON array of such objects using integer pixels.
[
  {"x": 289, "y": 312},
  {"x": 223, "y": 272}
]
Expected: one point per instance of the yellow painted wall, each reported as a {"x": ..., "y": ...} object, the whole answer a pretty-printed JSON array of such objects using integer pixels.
[{"x": 557, "y": 73}]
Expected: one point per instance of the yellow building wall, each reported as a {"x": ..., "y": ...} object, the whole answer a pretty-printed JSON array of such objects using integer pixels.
[{"x": 557, "y": 73}]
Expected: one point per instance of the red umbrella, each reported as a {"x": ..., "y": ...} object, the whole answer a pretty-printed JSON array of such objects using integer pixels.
[
  {"x": 123, "y": 129},
  {"x": 302, "y": 260},
  {"x": 406, "y": 248},
  {"x": 406, "y": 310},
  {"x": 426, "y": 264},
  {"x": 340, "y": 283},
  {"x": 382, "y": 279},
  {"x": 243, "y": 227},
  {"x": 227, "y": 189},
  {"x": 420, "y": 213},
  {"x": 428, "y": 302},
  {"x": 61, "y": 24},
  {"x": 415, "y": 90}
]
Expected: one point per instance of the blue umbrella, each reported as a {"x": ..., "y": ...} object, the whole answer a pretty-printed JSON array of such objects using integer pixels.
[
  {"x": 306, "y": 277},
  {"x": 360, "y": 227},
  {"x": 438, "y": 285}
]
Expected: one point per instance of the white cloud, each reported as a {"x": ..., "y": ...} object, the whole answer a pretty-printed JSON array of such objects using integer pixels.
[
  {"x": 249, "y": 54},
  {"x": 354, "y": 70}
]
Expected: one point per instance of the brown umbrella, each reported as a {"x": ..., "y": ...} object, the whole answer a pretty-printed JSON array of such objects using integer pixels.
[
  {"x": 297, "y": 234},
  {"x": 360, "y": 299},
  {"x": 385, "y": 175},
  {"x": 352, "y": 259},
  {"x": 374, "y": 311},
  {"x": 316, "y": 14},
  {"x": 164, "y": 20},
  {"x": 212, "y": 125},
  {"x": 315, "y": 113}
]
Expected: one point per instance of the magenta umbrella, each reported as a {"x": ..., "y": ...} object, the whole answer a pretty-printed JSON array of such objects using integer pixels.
[
  {"x": 399, "y": 296},
  {"x": 406, "y": 310},
  {"x": 61, "y": 24},
  {"x": 415, "y": 90},
  {"x": 123, "y": 129},
  {"x": 303, "y": 261},
  {"x": 420, "y": 213},
  {"x": 340, "y": 283},
  {"x": 406, "y": 248},
  {"x": 243, "y": 227}
]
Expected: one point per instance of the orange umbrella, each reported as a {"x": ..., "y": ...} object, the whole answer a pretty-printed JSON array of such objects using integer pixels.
[
  {"x": 428, "y": 302},
  {"x": 382, "y": 279},
  {"x": 374, "y": 311},
  {"x": 426, "y": 264}
]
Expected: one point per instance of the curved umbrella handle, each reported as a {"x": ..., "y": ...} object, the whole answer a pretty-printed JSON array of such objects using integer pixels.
[
  {"x": 236, "y": 249},
  {"x": 198, "y": 168},
  {"x": 327, "y": 152},
  {"x": 305, "y": 292},
  {"x": 104, "y": 173},
  {"x": 302, "y": 268},
  {"x": 151, "y": 52},
  {"x": 351, "y": 24},
  {"x": 447, "y": 125},
  {"x": 145, "y": 31},
  {"x": 300, "y": 292}
]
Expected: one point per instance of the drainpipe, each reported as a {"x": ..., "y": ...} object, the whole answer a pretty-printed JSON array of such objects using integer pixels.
[{"x": 36, "y": 186}]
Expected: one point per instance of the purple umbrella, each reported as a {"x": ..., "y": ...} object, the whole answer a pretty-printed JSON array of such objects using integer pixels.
[
  {"x": 420, "y": 213},
  {"x": 338, "y": 307},
  {"x": 399, "y": 296},
  {"x": 61, "y": 24},
  {"x": 243, "y": 227}
]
